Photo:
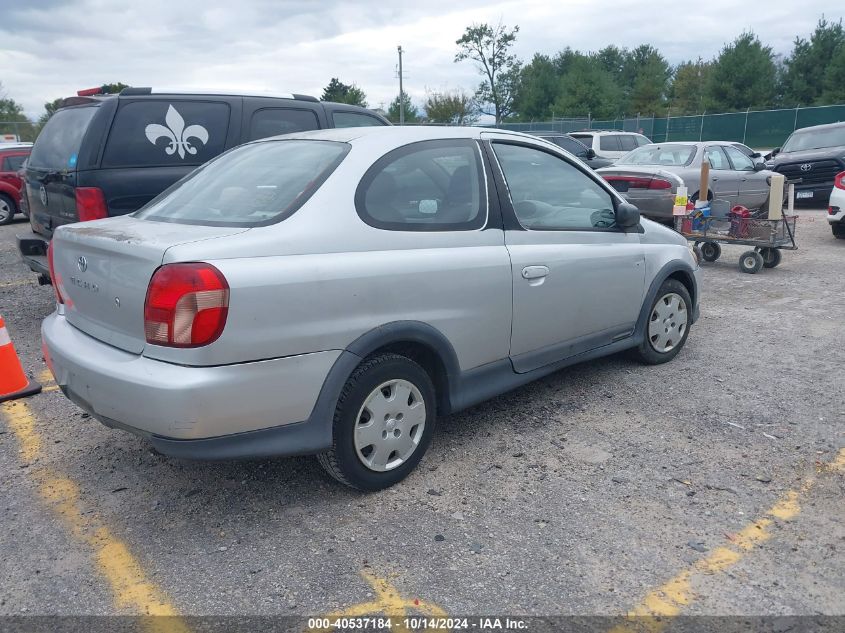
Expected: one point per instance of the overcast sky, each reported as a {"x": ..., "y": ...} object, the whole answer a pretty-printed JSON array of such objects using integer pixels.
[{"x": 51, "y": 48}]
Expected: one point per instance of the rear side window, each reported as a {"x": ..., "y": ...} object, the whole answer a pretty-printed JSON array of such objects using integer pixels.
[
  {"x": 252, "y": 185},
  {"x": 57, "y": 147},
  {"x": 355, "y": 119},
  {"x": 627, "y": 143},
  {"x": 425, "y": 186},
  {"x": 161, "y": 133},
  {"x": 274, "y": 121},
  {"x": 12, "y": 163},
  {"x": 610, "y": 143},
  {"x": 642, "y": 140},
  {"x": 585, "y": 139}
]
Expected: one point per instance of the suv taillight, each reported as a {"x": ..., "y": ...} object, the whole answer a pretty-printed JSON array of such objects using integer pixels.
[
  {"x": 91, "y": 204},
  {"x": 839, "y": 181},
  {"x": 186, "y": 305},
  {"x": 53, "y": 277}
]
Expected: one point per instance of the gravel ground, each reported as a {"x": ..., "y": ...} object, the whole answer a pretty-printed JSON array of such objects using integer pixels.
[{"x": 578, "y": 494}]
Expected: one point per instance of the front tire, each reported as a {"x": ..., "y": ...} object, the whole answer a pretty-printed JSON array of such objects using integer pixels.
[
  {"x": 7, "y": 209},
  {"x": 711, "y": 251},
  {"x": 750, "y": 262},
  {"x": 668, "y": 324},
  {"x": 383, "y": 423}
]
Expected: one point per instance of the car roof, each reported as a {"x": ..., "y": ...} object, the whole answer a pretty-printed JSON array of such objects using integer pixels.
[
  {"x": 824, "y": 126},
  {"x": 5, "y": 147},
  {"x": 605, "y": 132},
  {"x": 401, "y": 134}
]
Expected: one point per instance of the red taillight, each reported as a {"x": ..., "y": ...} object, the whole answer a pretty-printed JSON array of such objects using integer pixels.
[
  {"x": 186, "y": 305},
  {"x": 53, "y": 276},
  {"x": 832, "y": 210},
  {"x": 91, "y": 204},
  {"x": 640, "y": 182},
  {"x": 839, "y": 181},
  {"x": 89, "y": 92}
]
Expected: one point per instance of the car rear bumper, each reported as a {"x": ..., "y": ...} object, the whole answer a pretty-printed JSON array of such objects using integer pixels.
[
  {"x": 33, "y": 250},
  {"x": 221, "y": 412}
]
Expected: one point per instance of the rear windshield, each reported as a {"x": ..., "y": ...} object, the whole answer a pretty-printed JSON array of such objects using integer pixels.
[
  {"x": 57, "y": 147},
  {"x": 815, "y": 139},
  {"x": 252, "y": 185},
  {"x": 669, "y": 155}
]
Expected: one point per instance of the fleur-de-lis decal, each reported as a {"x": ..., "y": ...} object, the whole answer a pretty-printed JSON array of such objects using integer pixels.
[{"x": 176, "y": 132}]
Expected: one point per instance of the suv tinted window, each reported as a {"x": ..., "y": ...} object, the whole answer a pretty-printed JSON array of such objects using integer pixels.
[
  {"x": 426, "y": 186},
  {"x": 549, "y": 193},
  {"x": 57, "y": 147},
  {"x": 274, "y": 121},
  {"x": 610, "y": 143},
  {"x": 586, "y": 139},
  {"x": 12, "y": 163},
  {"x": 627, "y": 142},
  {"x": 160, "y": 133},
  {"x": 355, "y": 119},
  {"x": 252, "y": 185},
  {"x": 571, "y": 145}
]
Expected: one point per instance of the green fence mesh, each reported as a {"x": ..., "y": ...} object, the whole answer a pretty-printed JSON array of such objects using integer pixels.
[{"x": 760, "y": 129}]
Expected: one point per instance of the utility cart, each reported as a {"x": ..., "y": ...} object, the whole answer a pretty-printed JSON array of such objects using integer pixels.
[{"x": 768, "y": 237}]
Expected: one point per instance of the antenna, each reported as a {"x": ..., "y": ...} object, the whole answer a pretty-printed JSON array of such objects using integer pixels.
[{"x": 401, "y": 90}]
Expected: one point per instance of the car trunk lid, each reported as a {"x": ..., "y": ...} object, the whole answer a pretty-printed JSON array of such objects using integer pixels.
[{"x": 103, "y": 269}]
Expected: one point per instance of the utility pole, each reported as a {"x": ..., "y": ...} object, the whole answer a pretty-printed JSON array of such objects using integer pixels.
[{"x": 401, "y": 91}]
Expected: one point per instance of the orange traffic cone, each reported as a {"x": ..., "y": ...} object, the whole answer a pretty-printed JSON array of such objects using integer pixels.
[{"x": 13, "y": 382}]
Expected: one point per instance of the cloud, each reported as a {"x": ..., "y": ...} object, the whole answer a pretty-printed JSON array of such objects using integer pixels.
[{"x": 52, "y": 48}]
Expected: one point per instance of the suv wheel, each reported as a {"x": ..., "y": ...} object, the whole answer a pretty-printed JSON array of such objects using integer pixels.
[
  {"x": 668, "y": 324},
  {"x": 383, "y": 423},
  {"x": 7, "y": 209},
  {"x": 838, "y": 230}
]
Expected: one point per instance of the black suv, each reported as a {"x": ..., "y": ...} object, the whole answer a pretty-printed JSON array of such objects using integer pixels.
[
  {"x": 811, "y": 156},
  {"x": 573, "y": 146},
  {"x": 101, "y": 156}
]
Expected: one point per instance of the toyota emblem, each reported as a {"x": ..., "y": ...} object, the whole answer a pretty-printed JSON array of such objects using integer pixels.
[
  {"x": 42, "y": 194},
  {"x": 82, "y": 264},
  {"x": 806, "y": 167}
]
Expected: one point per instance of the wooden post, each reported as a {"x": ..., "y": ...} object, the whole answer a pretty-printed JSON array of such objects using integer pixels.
[
  {"x": 776, "y": 196},
  {"x": 705, "y": 180}
]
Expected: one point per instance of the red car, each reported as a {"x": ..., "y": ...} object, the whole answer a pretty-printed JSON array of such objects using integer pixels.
[{"x": 12, "y": 157}]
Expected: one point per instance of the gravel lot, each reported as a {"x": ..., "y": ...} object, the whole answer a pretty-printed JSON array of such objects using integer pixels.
[{"x": 582, "y": 493}]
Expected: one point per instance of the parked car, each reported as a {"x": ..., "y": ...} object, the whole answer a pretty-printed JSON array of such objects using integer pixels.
[
  {"x": 836, "y": 208},
  {"x": 12, "y": 156},
  {"x": 574, "y": 147},
  {"x": 333, "y": 292},
  {"x": 108, "y": 155},
  {"x": 812, "y": 156},
  {"x": 610, "y": 144},
  {"x": 649, "y": 176}
]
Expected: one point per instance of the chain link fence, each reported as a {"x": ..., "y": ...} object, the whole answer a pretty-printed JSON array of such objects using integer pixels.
[
  {"x": 23, "y": 130},
  {"x": 760, "y": 129}
]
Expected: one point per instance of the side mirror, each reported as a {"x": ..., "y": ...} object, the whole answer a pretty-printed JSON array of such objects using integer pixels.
[
  {"x": 627, "y": 215},
  {"x": 775, "y": 152},
  {"x": 755, "y": 155},
  {"x": 591, "y": 153},
  {"x": 759, "y": 166}
]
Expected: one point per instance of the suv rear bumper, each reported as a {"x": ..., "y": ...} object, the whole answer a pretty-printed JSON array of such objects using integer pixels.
[
  {"x": 245, "y": 410},
  {"x": 33, "y": 250}
]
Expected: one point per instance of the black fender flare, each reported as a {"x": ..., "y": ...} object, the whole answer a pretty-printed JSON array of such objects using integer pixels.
[{"x": 662, "y": 275}]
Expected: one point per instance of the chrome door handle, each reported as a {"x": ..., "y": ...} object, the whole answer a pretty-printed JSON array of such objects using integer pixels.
[{"x": 535, "y": 272}]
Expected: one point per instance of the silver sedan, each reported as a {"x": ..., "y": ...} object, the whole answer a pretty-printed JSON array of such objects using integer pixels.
[{"x": 649, "y": 176}]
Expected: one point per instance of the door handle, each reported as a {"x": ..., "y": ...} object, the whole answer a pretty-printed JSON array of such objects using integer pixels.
[{"x": 535, "y": 272}]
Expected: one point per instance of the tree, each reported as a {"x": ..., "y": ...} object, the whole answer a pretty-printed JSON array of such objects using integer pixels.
[
  {"x": 645, "y": 73},
  {"x": 588, "y": 89},
  {"x": 411, "y": 114},
  {"x": 686, "y": 93},
  {"x": 340, "y": 92},
  {"x": 742, "y": 76},
  {"x": 536, "y": 89},
  {"x": 489, "y": 47},
  {"x": 451, "y": 108},
  {"x": 12, "y": 118},
  {"x": 110, "y": 89},
  {"x": 49, "y": 110},
  {"x": 806, "y": 68},
  {"x": 834, "y": 78}
]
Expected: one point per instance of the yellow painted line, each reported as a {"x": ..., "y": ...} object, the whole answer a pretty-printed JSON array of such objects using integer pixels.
[
  {"x": 45, "y": 376},
  {"x": 653, "y": 613},
  {"x": 18, "y": 282},
  {"x": 388, "y": 602},
  {"x": 133, "y": 591}
]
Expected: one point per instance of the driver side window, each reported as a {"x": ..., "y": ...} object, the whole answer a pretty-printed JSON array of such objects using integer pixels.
[{"x": 549, "y": 193}]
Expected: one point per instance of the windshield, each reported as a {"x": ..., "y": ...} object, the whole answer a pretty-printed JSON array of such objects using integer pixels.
[
  {"x": 815, "y": 139},
  {"x": 252, "y": 185},
  {"x": 669, "y": 155},
  {"x": 57, "y": 146}
]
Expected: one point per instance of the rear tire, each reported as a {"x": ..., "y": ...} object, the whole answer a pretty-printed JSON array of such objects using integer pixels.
[
  {"x": 668, "y": 324},
  {"x": 711, "y": 251},
  {"x": 383, "y": 423},
  {"x": 8, "y": 209},
  {"x": 838, "y": 230},
  {"x": 750, "y": 262},
  {"x": 771, "y": 257}
]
